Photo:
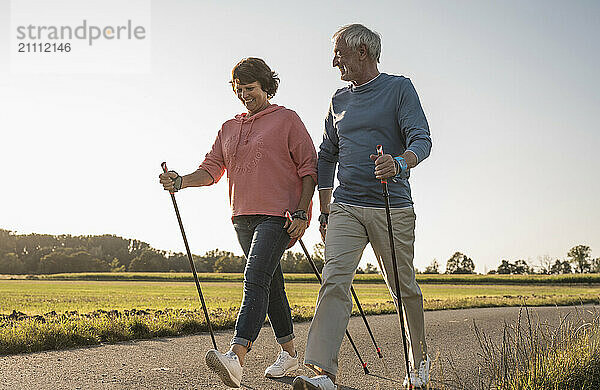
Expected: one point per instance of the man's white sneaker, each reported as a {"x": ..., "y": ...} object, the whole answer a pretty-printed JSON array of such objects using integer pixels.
[
  {"x": 226, "y": 365},
  {"x": 284, "y": 364},
  {"x": 320, "y": 382},
  {"x": 419, "y": 378}
]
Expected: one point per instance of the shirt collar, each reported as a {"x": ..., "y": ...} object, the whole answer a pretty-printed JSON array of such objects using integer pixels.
[
  {"x": 370, "y": 81},
  {"x": 364, "y": 86}
]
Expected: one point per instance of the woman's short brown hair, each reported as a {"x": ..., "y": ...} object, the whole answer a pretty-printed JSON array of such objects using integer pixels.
[{"x": 253, "y": 69}]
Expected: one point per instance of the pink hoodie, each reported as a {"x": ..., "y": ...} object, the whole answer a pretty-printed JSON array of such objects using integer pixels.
[{"x": 266, "y": 156}]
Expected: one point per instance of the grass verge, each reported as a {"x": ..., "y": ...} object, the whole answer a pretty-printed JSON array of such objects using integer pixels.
[
  {"x": 534, "y": 356},
  {"x": 20, "y": 332}
]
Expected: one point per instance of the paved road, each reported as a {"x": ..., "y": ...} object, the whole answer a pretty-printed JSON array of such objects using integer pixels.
[{"x": 178, "y": 363}]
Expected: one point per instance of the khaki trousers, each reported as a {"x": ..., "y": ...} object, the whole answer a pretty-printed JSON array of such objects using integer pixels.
[{"x": 349, "y": 230}]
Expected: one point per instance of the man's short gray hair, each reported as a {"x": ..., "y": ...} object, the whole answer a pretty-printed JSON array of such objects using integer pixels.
[{"x": 356, "y": 34}]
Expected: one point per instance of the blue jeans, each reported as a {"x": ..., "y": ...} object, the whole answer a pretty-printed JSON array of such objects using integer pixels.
[{"x": 263, "y": 240}]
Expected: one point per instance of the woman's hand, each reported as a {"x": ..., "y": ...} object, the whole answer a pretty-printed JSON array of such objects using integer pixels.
[
  {"x": 296, "y": 228},
  {"x": 171, "y": 181}
]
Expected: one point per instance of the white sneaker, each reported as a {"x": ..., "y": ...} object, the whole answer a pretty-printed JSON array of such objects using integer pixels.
[
  {"x": 226, "y": 365},
  {"x": 320, "y": 382},
  {"x": 284, "y": 364},
  {"x": 419, "y": 378}
]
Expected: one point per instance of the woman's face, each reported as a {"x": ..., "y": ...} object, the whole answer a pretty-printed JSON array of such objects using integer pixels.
[{"x": 252, "y": 96}]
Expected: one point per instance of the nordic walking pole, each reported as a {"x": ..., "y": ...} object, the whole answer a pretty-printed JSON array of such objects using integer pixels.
[
  {"x": 189, "y": 255},
  {"x": 386, "y": 196},
  {"x": 316, "y": 271},
  {"x": 360, "y": 309}
]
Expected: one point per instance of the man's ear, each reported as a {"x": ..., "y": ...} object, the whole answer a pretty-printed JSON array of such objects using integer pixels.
[{"x": 363, "y": 53}]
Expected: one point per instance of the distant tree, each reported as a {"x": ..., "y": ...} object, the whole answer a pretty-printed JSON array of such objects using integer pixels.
[
  {"x": 560, "y": 267},
  {"x": 178, "y": 262},
  {"x": 294, "y": 262},
  {"x": 319, "y": 252},
  {"x": 208, "y": 262},
  {"x": 453, "y": 263},
  {"x": 369, "y": 269},
  {"x": 521, "y": 267},
  {"x": 148, "y": 261},
  {"x": 595, "y": 265},
  {"x": 11, "y": 264},
  {"x": 433, "y": 268},
  {"x": 579, "y": 256},
  {"x": 505, "y": 268},
  {"x": 202, "y": 263},
  {"x": 318, "y": 257},
  {"x": 230, "y": 263},
  {"x": 467, "y": 266},
  {"x": 70, "y": 260},
  {"x": 460, "y": 264},
  {"x": 545, "y": 264},
  {"x": 116, "y": 266}
]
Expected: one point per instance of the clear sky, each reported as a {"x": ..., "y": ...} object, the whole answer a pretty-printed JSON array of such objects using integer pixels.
[{"x": 510, "y": 89}]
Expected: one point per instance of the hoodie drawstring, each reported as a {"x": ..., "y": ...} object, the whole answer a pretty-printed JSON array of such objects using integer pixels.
[{"x": 237, "y": 145}]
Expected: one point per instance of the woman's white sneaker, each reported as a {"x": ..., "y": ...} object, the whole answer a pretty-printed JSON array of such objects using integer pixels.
[
  {"x": 320, "y": 382},
  {"x": 226, "y": 365},
  {"x": 284, "y": 364}
]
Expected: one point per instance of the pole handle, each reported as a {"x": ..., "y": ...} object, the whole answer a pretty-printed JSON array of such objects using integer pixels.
[
  {"x": 380, "y": 153},
  {"x": 163, "y": 165}
]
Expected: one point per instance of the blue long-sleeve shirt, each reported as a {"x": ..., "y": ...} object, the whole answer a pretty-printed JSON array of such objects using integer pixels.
[{"x": 385, "y": 111}]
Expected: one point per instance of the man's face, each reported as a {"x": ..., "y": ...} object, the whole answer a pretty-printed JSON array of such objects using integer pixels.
[
  {"x": 346, "y": 60},
  {"x": 251, "y": 95}
]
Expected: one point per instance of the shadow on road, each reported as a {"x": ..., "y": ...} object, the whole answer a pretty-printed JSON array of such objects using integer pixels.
[
  {"x": 385, "y": 378},
  {"x": 288, "y": 381}
]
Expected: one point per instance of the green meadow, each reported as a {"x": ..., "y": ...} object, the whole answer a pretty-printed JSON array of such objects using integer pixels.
[
  {"x": 62, "y": 311},
  {"x": 42, "y": 296}
]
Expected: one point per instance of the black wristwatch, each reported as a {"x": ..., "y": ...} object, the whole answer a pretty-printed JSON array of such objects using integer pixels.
[
  {"x": 323, "y": 218},
  {"x": 300, "y": 214}
]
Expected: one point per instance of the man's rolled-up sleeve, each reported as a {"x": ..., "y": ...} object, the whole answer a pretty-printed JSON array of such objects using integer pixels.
[{"x": 413, "y": 123}]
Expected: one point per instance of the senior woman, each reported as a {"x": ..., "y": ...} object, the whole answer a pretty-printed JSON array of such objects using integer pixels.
[{"x": 271, "y": 167}]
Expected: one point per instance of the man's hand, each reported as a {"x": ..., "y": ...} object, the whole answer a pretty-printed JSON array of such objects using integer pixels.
[
  {"x": 385, "y": 166},
  {"x": 296, "y": 228},
  {"x": 323, "y": 220},
  {"x": 171, "y": 181},
  {"x": 323, "y": 231}
]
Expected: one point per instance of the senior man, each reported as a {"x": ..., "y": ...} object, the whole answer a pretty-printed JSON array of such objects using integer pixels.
[{"x": 375, "y": 108}]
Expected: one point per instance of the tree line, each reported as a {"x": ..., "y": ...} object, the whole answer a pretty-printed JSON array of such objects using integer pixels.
[
  {"x": 579, "y": 260},
  {"x": 48, "y": 254}
]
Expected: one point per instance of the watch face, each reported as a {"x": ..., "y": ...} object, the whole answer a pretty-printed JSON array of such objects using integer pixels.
[{"x": 300, "y": 214}]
